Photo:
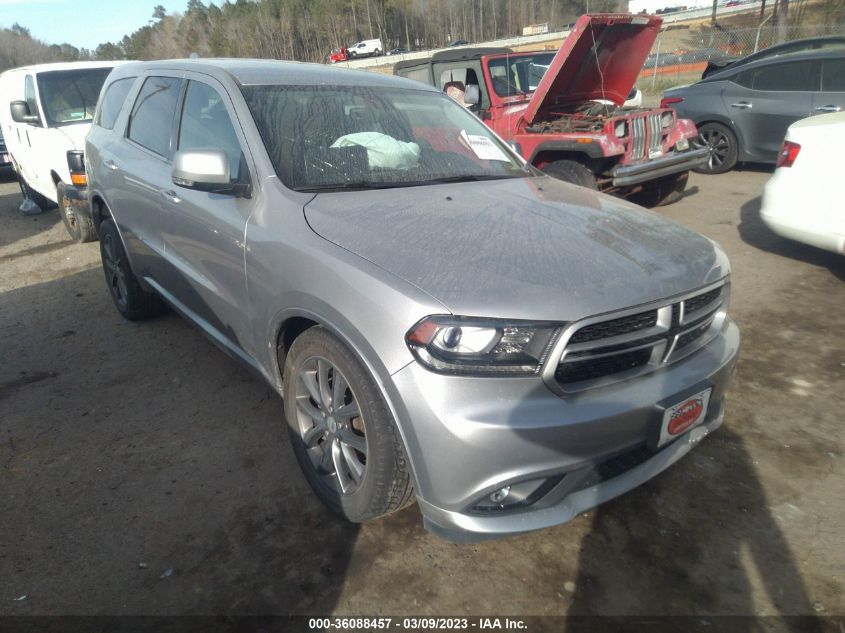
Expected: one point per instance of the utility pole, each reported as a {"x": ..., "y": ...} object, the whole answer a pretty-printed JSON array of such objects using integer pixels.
[
  {"x": 782, "y": 26},
  {"x": 713, "y": 15}
]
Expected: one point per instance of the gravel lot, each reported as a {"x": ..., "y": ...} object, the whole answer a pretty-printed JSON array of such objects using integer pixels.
[{"x": 145, "y": 472}]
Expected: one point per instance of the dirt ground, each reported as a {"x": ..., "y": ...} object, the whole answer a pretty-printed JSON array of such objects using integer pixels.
[{"x": 144, "y": 472}]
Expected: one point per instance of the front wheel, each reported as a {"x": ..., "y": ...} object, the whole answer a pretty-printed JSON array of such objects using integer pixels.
[
  {"x": 662, "y": 191},
  {"x": 130, "y": 299},
  {"x": 721, "y": 141},
  {"x": 573, "y": 172},
  {"x": 79, "y": 226},
  {"x": 344, "y": 436}
]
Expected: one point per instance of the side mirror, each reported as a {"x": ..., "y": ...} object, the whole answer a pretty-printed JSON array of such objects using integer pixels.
[
  {"x": 206, "y": 170},
  {"x": 21, "y": 114},
  {"x": 472, "y": 95}
]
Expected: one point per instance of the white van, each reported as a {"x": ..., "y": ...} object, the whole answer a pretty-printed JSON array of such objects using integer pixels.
[
  {"x": 367, "y": 48},
  {"x": 45, "y": 114}
]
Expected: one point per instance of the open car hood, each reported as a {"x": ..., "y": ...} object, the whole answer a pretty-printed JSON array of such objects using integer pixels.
[{"x": 601, "y": 58}]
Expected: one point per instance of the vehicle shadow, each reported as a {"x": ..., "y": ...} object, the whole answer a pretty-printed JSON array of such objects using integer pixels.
[
  {"x": 754, "y": 232},
  {"x": 147, "y": 473},
  {"x": 694, "y": 536},
  {"x": 760, "y": 168}
]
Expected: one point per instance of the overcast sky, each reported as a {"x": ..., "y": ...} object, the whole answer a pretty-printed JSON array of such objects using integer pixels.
[{"x": 83, "y": 23}]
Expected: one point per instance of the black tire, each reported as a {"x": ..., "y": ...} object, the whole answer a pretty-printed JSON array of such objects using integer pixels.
[
  {"x": 41, "y": 201},
  {"x": 662, "y": 191},
  {"x": 721, "y": 141},
  {"x": 573, "y": 172},
  {"x": 377, "y": 52},
  {"x": 384, "y": 486},
  {"x": 351, "y": 55},
  {"x": 79, "y": 226},
  {"x": 130, "y": 299}
]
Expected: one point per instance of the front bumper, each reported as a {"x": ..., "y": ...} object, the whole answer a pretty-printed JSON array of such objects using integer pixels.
[
  {"x": 469, "y": 437},
  {"x": 671, "y": 163},
  {"x": 77, "y": 197}
]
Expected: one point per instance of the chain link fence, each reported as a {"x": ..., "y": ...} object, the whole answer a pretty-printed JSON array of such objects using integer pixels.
[{"x": 680, "y": 55}]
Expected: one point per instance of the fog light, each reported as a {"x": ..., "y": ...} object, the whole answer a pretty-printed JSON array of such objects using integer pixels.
[
  {"x": 515, "y": 496},
  {"x": 500, "y": 495}
]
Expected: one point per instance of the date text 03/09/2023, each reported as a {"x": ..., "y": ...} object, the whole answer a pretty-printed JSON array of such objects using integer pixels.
[{"x": 415, "y": 624}]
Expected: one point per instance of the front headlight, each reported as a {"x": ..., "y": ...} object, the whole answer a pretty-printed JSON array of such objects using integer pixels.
[
  {"x": 481, "y": 347},
  {"x": 621, "y": 129},
  {"x": 666, "y": 120}
]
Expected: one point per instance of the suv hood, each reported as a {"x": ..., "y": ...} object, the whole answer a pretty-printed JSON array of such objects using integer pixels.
[
  {"x": 523, "y": 248},
  {"x": 600, "y": 59}
]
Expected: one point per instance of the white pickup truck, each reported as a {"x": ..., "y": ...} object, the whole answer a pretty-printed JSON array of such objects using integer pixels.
[
  {"x": 365, "y": 48},
  {"x": 45, "y": 114}
]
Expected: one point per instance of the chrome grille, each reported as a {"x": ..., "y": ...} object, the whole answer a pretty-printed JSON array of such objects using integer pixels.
[
  {"x": 653, "y": 133},
  {"x": 613, "y": 347},
  {"x": 638, "y": 137},
  {"x": 645, "y": 134}
]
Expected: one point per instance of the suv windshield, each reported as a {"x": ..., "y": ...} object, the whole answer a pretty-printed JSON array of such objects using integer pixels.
[
  {"x": 519, "y": 74},
  {"x": 331, "y": 137},
  {"x": 70, "y": 96}
]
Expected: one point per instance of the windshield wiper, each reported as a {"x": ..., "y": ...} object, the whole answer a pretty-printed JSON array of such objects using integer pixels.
[
  {"x": 365, "y": 185},
  {"x": 354, "y": 186},
  {"x": 473, "y": 178}
]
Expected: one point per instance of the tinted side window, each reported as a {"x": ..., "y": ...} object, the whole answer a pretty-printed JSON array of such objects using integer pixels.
[
  {"x": 833, "y": 75},
  {"x": 794, "y": 77},
  {"x": 113, "y": 102},
  {"x": 29, "y": 95},
  {"x": 152, "y": 114},
  {"x": 745, "y": 79},
  {"x": 206, "y": 125}
]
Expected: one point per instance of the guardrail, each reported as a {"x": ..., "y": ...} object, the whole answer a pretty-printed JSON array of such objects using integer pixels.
[
  {"x": 706, "y": 12},
  {"x": 522, "y": 40}
]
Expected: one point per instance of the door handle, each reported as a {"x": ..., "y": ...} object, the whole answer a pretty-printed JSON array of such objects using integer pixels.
[
  {"x": 109, "y": 164},
  {"x": 743, "y": 105},
  {"x": 170, "y": 196},
  {"x": 827, "y": 108}
]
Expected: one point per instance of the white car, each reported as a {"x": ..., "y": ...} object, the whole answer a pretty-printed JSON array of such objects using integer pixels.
[
  {"x": 45, "y": 114},
  {"x": 803, "y": 200}
]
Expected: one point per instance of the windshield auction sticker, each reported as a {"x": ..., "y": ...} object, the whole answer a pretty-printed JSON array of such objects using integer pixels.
[{"x": 483, "y": 147}]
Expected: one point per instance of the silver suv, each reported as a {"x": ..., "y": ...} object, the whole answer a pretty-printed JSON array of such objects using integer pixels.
[{"x": 444, "y": 323}]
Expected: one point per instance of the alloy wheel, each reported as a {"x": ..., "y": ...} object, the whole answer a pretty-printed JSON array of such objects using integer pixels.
[
  {"x": 717, "y": 143},
  {"x": 330, "y": 424},
  {"x": 115, "y": 271}
]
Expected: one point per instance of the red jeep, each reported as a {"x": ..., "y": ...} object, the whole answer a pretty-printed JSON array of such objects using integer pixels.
[
  {"x": 563, "y": 111},
  {"x": 338, "y": 55}
]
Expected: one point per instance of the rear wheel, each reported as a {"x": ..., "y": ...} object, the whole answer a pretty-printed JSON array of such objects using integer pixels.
[
  {"x": 130, "y": 299},
  {"x": 79, "y": 226},
  {"x": 343, "y": 435},
  {"x": 571, "y": 171},
  {"x": 721, "y": 141}
]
